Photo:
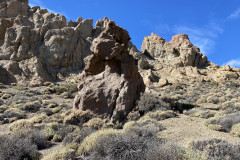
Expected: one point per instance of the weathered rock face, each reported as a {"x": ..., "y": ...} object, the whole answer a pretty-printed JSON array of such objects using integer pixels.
[
  {"x": 37, "y": 46},
  {"x": 110, "y": 83},
  {"x": 178, "y": 52}
]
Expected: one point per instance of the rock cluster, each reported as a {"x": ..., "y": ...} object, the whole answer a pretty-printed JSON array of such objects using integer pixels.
[
  {"x": 110, "y": 83},
  {"x": 177, "y": 61},
  {"x": 38, "y": 46},
  {"x": 178, "y": 52}
]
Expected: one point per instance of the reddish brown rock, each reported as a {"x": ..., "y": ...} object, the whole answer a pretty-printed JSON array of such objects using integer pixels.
[{"x": 110, "y": 83}]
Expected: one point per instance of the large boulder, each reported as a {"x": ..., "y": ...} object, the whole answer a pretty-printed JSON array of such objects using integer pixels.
[
  {"x": 178, "y": 52},
  {"x": 41, "y": 45},
  {"x": 110, "y": 83}
]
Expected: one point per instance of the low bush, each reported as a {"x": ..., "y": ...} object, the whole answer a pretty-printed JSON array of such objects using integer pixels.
[
  {"x": 200, "y": 112},
  {"x": 78, "y": 137},
  {"x": 236, "y": 129},
  {"x": 96, "y": 123},
  {"x": 160, "y": 115},
  {"x": 32, "y": 106},
  {"x": 35, "y": 136},
  {"x": 217, "y": 149},
  {"x": 17, "y": 148},
  {"x": 62, "y": 153},
  {"x": 21, "y": 125},
  {"x": 149, "y": 102},
  {"x": 3, "y": 108},
  {"x": 233, "y": 84},
  {"x": 114, "y": 144},
  {"x": 165, "y": 151},
  {"x": 78, "y": 117},
  {"x": 226, "y": 121},
  {"x": 11, "y": 115}
]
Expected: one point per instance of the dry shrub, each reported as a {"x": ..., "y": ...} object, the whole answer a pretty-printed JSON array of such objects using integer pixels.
[
  {"x": 200, "y": 112},
  {"x": 20, "y": 125},
  {"x": 11, "y": 115},
  {"x": 149, "y": 102},
  {"x": 135, "y": 141},
  {"x": 226, "y": 121},
  {"x": 75, "y": 138},
  {"x": 15, "y": 147},
  {"x": 236, "y": 129},
  {"x": 32, "y": 106},
  {"x": 160, "y": 115},
  {"x": 62, "y": 153},
  {"x": 217, "y": 149},
  {"x": 78, "y": 117},
  {"x": 96, "y": 123}
]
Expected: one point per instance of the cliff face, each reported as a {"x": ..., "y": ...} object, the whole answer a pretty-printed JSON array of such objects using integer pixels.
[{"x": 38, "y": 46}]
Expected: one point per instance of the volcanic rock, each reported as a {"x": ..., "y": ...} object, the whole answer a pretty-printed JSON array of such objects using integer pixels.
[
  {"x": 110, "y": 83},
  {"x": 178, "y": 52},
  {"x": 38, "y": 46}
]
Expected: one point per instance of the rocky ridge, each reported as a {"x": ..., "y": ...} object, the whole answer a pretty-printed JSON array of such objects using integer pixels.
[{"x": 38, "y": 46}]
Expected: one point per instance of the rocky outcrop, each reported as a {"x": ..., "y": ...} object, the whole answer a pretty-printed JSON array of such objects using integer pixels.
[
  {"x": 178, "y": 52},
  {"x": 110, "y": 83},
  {"x": 38, "y": 46}
]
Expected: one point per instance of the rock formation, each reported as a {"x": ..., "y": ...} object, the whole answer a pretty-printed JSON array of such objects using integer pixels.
[
  {"x": 178, "y": 52},
  {"x": 110, "y": 83},
  {"x": 177, "y": 61},
  {"x": 38, "y": 46}
]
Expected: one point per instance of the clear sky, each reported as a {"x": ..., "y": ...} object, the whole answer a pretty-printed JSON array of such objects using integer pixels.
[{"x": 212, "y": 25}]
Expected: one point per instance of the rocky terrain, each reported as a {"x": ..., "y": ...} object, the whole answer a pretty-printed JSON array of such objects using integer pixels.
[{"x": 69, "y": 90}]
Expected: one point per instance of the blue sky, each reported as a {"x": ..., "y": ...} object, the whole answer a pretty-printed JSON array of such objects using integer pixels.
[{"x": 212, "y": 25}]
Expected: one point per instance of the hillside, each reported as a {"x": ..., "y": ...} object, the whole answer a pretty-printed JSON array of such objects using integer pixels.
[{"x": 71, "y": 90}]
